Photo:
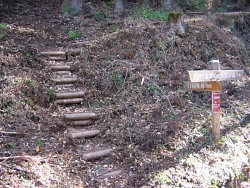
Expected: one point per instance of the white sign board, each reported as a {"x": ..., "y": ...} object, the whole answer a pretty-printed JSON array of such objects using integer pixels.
[{"x": 214, "y": 75}]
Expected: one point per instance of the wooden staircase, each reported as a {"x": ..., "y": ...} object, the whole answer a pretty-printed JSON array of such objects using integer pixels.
[{"x": 68, "y": 94}]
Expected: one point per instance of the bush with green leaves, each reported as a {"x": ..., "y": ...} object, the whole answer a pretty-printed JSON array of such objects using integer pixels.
[
  {"x": 148, "y": 12},
  {"x": 3, "y": 26},
  {"x": 117, "y": 77},
  {"x": 99, "y": 15},
  {"x": 192, "y": 4},
  {"x": 74, "y": 34}
]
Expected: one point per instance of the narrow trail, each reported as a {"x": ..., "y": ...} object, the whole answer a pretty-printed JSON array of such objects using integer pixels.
[{"x": 68, "y": 95}]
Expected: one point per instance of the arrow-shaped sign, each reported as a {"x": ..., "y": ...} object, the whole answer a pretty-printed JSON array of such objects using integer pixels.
[
  {"x": 203, "y": 86},
  {"x": 214, "y": 75}
]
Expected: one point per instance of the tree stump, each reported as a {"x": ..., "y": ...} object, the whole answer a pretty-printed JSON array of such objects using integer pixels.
[{"x": 175, "y": 21}]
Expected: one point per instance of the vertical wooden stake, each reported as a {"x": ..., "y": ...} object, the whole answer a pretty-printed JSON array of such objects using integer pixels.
[
  {"x": 216, "y": 106},
  {"x": 216, "y": 125}
]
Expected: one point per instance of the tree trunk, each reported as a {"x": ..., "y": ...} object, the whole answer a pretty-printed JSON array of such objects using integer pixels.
[
  {"x": 175, "y": 22},
  {"x": 119, "y": 6},
  {"x": 72, "y": 7},
  {"x": 168, "y": 4},
  {"x": 212, "y": 3}
]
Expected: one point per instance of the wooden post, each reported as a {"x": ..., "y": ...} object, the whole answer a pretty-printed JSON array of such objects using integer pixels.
[{"x": 216, "y": 107}]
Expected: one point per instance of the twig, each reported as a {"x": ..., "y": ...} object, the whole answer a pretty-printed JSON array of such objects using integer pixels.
[
  {"x": 3, "y": 184},
  {"x": 14, "y": 168},
  {"x": 25, "y": 157},
  {"x": 165, "y": 96},
  {"x": 15, "y": 133}
]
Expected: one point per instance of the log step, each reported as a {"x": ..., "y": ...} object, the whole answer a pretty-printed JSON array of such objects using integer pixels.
[
  {"x": 59, "y": 58},
  {"x": 63, "y": 87},
  {"x": 97, "y": 154},
  {"x": 54, "y": 53},
  {"x": 62, "y": 72},
  {"x": 65, "y": 80},
  {"x": 69, "y": 101},
  {"x": 114, "y": 173},
  {"x": 83, "y": 133},
  {"x": 80, "y": 116},
  {"x": 60, "y": 68},
  {"x": 75, "y": 51},
  {"x": 81, "y": 123},
  {"x": 79, "y": 44},
  {"x": 67, "y": 95}
]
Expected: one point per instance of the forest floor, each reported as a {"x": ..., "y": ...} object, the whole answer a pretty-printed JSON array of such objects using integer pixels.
[{"x": 133, "y": 69}]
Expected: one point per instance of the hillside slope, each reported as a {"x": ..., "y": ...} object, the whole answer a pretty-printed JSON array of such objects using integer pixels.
[{"x": 133, "y": 70}]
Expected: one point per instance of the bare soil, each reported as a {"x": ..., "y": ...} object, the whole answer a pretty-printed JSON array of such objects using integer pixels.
[{"x": 133, "y": 70}]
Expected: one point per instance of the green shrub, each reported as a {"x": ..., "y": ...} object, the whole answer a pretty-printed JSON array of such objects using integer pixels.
[
  {"x": 117, "y": 77},
  {"x": 74, "y": 34},
  {"x": 84, "y": 23},
  {"x": 148, "y": 12},
  {"x": 99, "y": 15},
  {"x": 192, "y": 4},
  {"x": 3, "y": 26},
  {"x": 152, "y": 89},
  {"x": 221, "y": 9},
  {"x": 112, "y": 29}
]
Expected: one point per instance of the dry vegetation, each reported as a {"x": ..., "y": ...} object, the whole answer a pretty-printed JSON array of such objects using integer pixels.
[{"x": 133, "y": 69}]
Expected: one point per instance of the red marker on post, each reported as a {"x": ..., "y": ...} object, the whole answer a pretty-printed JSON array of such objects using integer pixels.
[{"x": 216, "y": 102}]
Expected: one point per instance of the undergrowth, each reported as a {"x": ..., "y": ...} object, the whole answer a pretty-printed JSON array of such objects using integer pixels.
[{"x": 150, "y": 13}]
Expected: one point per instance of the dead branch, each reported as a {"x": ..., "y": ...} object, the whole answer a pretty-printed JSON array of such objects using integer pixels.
[
  {"x": 3, "y": 184},
  {"x": 114, "y": 173},
  {"x": 15, "y": 168},
  {"x": 15, "y": 133},
  {"x": 165, "y": 96},
  {"x": 25, "y": 157}
]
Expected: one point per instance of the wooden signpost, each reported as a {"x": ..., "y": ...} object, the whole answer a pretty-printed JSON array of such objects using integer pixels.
[{"x": 210, "y": 80}]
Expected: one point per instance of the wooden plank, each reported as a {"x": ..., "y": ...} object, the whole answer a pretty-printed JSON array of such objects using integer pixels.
[
  {"x": 214, "y": 75},
  {"x": 203, "y": 86}
]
